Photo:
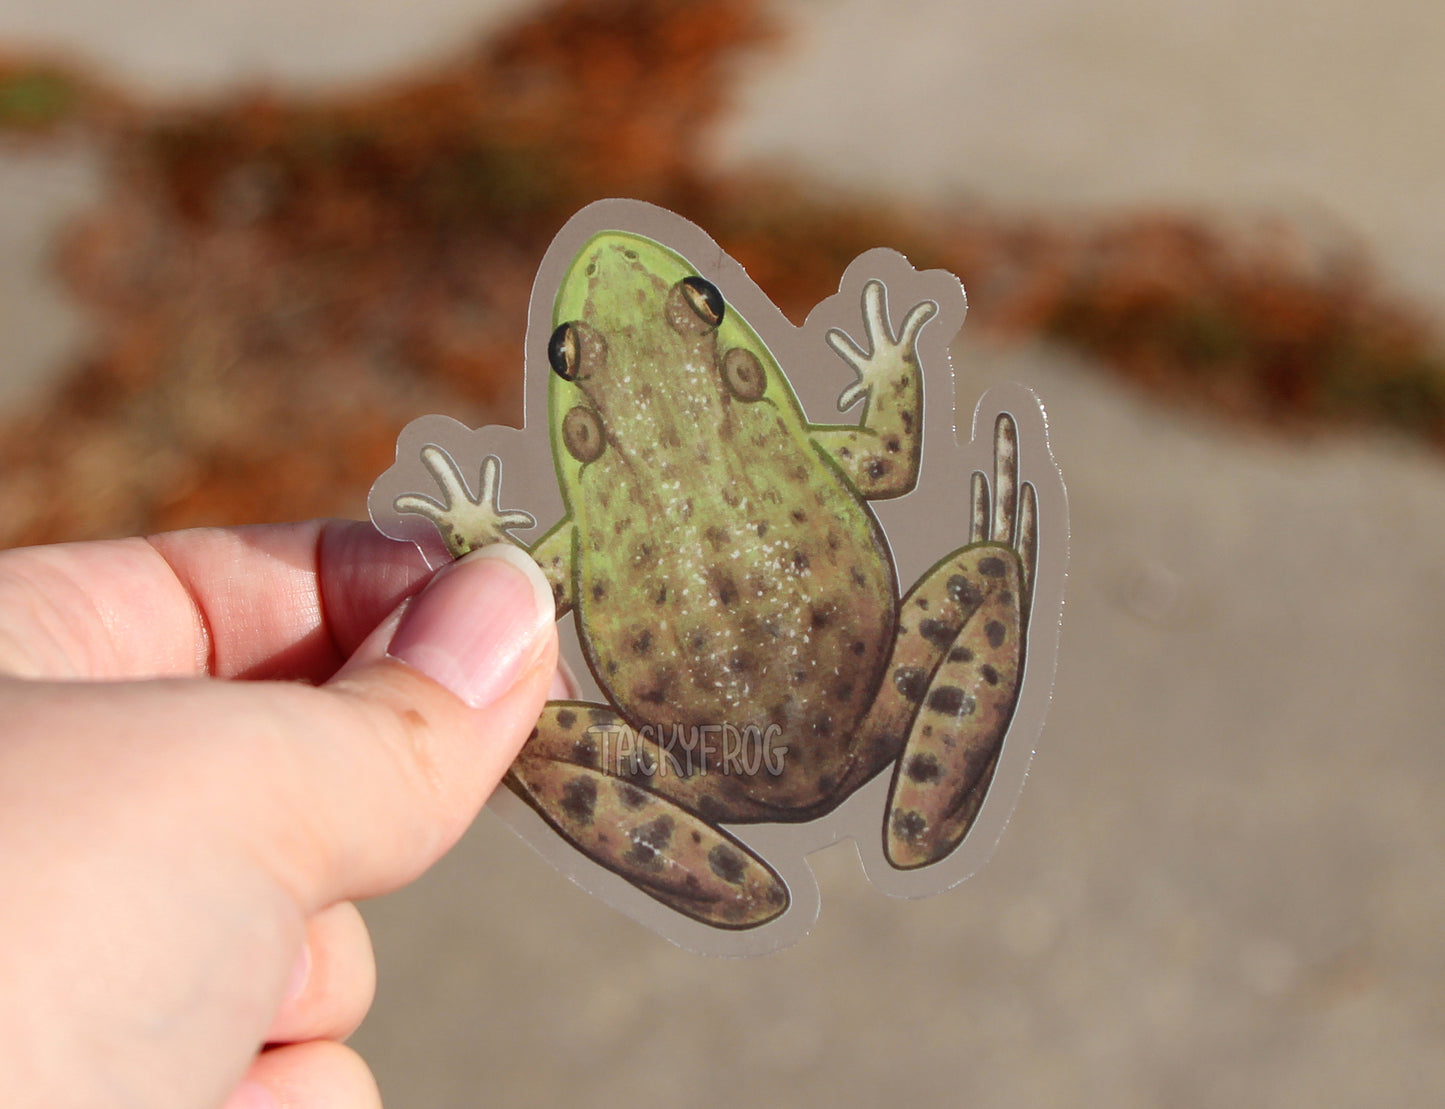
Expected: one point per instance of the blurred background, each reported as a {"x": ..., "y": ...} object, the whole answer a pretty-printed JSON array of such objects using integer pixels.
[{"x": 244, "y": 244}]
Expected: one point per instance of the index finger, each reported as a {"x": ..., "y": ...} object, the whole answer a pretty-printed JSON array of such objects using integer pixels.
[{"x": 270, "y": 601}]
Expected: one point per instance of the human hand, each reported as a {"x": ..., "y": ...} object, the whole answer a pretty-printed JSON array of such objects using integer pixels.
[{"x": 179, "y": 853}]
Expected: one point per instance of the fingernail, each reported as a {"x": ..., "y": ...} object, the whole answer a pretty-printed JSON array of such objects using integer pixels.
[
  {"x": 252, "y": 1095},
  {"x": 474, "y": 628}
]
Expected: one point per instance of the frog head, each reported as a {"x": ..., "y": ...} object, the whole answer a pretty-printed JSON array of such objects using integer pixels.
[{"x": 648, "y": 357}]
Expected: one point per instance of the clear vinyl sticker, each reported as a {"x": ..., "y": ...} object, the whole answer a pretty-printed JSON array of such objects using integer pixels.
[{"x": 798, "y": 603}]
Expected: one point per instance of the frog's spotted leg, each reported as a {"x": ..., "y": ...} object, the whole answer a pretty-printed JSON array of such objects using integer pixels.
[
  {"x": 467, "y": 523},
  {"x": 575, "y": 770},
  {"x": 881, "y": 454},
  {"x": 965, "y": 701}
]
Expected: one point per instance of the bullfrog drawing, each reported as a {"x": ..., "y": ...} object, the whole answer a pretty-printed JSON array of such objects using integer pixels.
[{"x": 735, "y": 597}]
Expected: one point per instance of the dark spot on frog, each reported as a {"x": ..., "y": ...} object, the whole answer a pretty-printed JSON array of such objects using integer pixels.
[
  {"x": 762, "y": 530},
  {"x": 584, "y": 752},
  {"x": 717, "y": 536},
  {"x": 741, "y": 663},
  {"x": 858, "y": 647},
  {"x": 630, "y": 255},
  {"x": 631, "y": 797},
  {"x": 996, "y": 633},
  {"x": 611, "y": 666},
  {"x": 697, "y": 641},
  {"x": 964, "y": 592},
  {"x": 656, "y": 693},
  {"x": 798, "y": 676},
  {"x": 992, "y": 567},
  {"x": 1006, "y": 596},
  {"x": 843, "y": 691},
  {"x": 908, "y": 825},
  {"x": 602, "y": 716},
  {"x": 579, "y": 799},
  {"x": 833, "y": 541},
  {"x": 893, "y": 444},
  {"x": 599, "y": 590},
  {"x": 723, "y": 586},
  {"x": 660, "y": 597},
  {"x": 696, "y": 837},
  {"x": 906, "y": 418},
  {"x": 922, "y": 603},
  {"x": 622, "y": 525},
  {"x": 649, "y": 841},
  {"x": 800, "y": 474},
  {"x": 730, "y": 498},
  {"x": 642, "y": 645},
  {"x": 923, "y": 768},
  {"x": 710, "y": 809},
  {"x": 642, "y": 553},
  {"x": 798, "y": 516},
  {"x": 845, "y": 452},
  {"x": 938, "y": 632},
  {"x": 860, "y": 579},
  {"x": 960, "y": 654},
  {"x": 990, "y": 675},
  {"x": 927, "y": 730},
  {"x": 877, "y": 469},
  {"x": 566, "y": 718},
  {"x": 821, "y": 724},
  {"x": 800, "y": 562},
  {"x": 911, "y": 681},
  {"x": 949, "y": 700},
  {"x": 727, "y": 864},
  {"x": 820, "y": 616}
]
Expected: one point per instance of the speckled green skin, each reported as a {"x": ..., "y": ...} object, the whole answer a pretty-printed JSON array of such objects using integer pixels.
[{"x": 725, "y": 569}]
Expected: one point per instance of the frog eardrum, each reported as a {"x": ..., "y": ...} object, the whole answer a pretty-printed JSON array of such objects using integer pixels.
[{"x": 785, "y": 632}]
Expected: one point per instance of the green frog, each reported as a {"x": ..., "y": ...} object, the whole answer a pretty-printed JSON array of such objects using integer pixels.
[{"x": 735, "y": 597}]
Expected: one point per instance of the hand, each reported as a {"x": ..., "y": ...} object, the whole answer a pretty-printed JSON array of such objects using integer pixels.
[{"x": 212, "y": 742}]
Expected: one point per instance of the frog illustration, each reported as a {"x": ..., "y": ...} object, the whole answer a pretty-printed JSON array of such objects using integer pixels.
[{"x": 735, "y": 596}]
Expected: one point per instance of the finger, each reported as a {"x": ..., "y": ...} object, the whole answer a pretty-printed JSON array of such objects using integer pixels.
[
  {"x": 334, "y": 980},
  {"x": 287, "y": 601},
  {"x": 914, "y": 322},
  {"x": 321, "y": 1074},
  {"x": 875, "y": 313},
  {"x": 1028, "y": 544},
  {"x": 1005, "y": 478},
  {"x": 978, "y": 505},
  {"x": 847, "y": 349}
]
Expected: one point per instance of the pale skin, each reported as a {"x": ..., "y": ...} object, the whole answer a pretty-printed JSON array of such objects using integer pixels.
[{"x": 208, "y": 754}]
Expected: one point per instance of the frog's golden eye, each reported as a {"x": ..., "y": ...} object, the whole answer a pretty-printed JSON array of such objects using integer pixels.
[
  {"x": 565, "y": 352},
  {"x": 582, "y": 434},
  {"x": 743, "y": 374},
  {"x": 695, "y": 306}
]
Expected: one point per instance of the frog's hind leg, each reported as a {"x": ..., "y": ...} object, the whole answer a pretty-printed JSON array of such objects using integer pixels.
[
  {"x": 953, "y": 681},
  {"x": 583, "y": 771}
]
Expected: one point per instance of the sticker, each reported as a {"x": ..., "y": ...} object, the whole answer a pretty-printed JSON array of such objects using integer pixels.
[{"x": 796, "y": 607}]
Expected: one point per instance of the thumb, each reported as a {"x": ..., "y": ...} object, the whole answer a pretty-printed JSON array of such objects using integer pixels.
[{"x": 431, "y": 710}]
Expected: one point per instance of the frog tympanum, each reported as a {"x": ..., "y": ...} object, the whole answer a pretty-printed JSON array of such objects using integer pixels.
[{"x": 735, "y": 597}]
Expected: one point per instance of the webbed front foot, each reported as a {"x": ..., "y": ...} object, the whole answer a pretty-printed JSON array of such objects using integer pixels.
[{"x": 466, "y": 523}]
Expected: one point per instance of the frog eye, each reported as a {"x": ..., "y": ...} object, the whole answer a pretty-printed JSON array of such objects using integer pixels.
[
  {"x": 564, "y": 352},
  {"x": 695, "y": 306},
  {"x": 743, "y": 374},
  {"x": 582, "y": 434}
]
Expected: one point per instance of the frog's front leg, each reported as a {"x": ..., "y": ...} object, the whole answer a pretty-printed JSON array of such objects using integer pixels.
[
  {"x": 881, "y": 454},
  {"x": 467, "y": 523},
  {"x": 582, "y": 770}
]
